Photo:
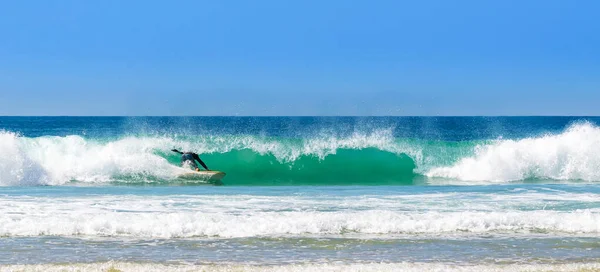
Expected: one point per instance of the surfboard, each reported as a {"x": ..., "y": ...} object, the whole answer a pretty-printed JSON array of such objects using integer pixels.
[{"x": 212, "y": 176}]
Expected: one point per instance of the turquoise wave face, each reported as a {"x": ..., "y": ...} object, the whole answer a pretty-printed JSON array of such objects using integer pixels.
[
  {"x": 373, "y": 158},
  {"x": 345, "y": 167}
]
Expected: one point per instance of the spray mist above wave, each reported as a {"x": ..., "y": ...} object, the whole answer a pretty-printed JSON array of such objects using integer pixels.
[{"x": 571, "y": 155}]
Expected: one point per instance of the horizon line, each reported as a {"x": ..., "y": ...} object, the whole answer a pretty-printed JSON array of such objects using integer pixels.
[{"x": 271, "y": 116}]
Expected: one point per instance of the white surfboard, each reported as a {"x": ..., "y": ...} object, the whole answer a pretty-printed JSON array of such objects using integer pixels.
[{"x": 214, "y": 176}]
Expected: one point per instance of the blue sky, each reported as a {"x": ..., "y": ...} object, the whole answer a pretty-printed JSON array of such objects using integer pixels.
[{"x": 304, "y": 57}]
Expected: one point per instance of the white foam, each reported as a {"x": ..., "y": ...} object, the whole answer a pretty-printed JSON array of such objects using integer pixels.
[
  {"x": 58, "y": 160},
  {"x": 571, "y": 155},
  {"x": 14, "y": 167},
  {"x": 254, "y": 216},
  {"x": 330, "y": 267}
]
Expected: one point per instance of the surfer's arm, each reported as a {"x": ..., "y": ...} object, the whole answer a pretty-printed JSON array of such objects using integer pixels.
[
  {"x": 177, "y": 151},
  {"x": 200, "y": 161}
]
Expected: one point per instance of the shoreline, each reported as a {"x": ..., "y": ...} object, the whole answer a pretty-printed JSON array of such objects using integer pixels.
[{"x": 112, "y": 266}]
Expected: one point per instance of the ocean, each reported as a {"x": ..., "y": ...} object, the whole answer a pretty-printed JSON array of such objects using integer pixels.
[{"x": 301, "y": 194}]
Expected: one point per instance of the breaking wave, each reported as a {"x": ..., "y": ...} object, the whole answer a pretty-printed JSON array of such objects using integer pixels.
[{"x": 372, "y": 158}]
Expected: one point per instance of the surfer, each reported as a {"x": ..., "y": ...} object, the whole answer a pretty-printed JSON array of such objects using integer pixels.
[{"x": 188, "y": 159}]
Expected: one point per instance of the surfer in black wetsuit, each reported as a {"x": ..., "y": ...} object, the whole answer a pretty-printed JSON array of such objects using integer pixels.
[{"x": 189, "y": 159}]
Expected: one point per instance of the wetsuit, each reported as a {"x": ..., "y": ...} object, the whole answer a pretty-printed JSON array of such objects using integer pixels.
[{"x": 189, "y": 159}]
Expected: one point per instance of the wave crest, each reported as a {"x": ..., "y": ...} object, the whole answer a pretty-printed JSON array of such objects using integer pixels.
[{"x": 571, "y": 155}]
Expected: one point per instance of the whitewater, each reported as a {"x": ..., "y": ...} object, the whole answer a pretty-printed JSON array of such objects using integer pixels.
[
  {"x": 188, "y": 215},
  {"x": 570, "y": 155},
  {"x": 301, "y": 193}
]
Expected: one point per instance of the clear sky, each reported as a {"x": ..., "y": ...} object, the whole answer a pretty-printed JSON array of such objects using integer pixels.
[{"x": 328, "y": 57}]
